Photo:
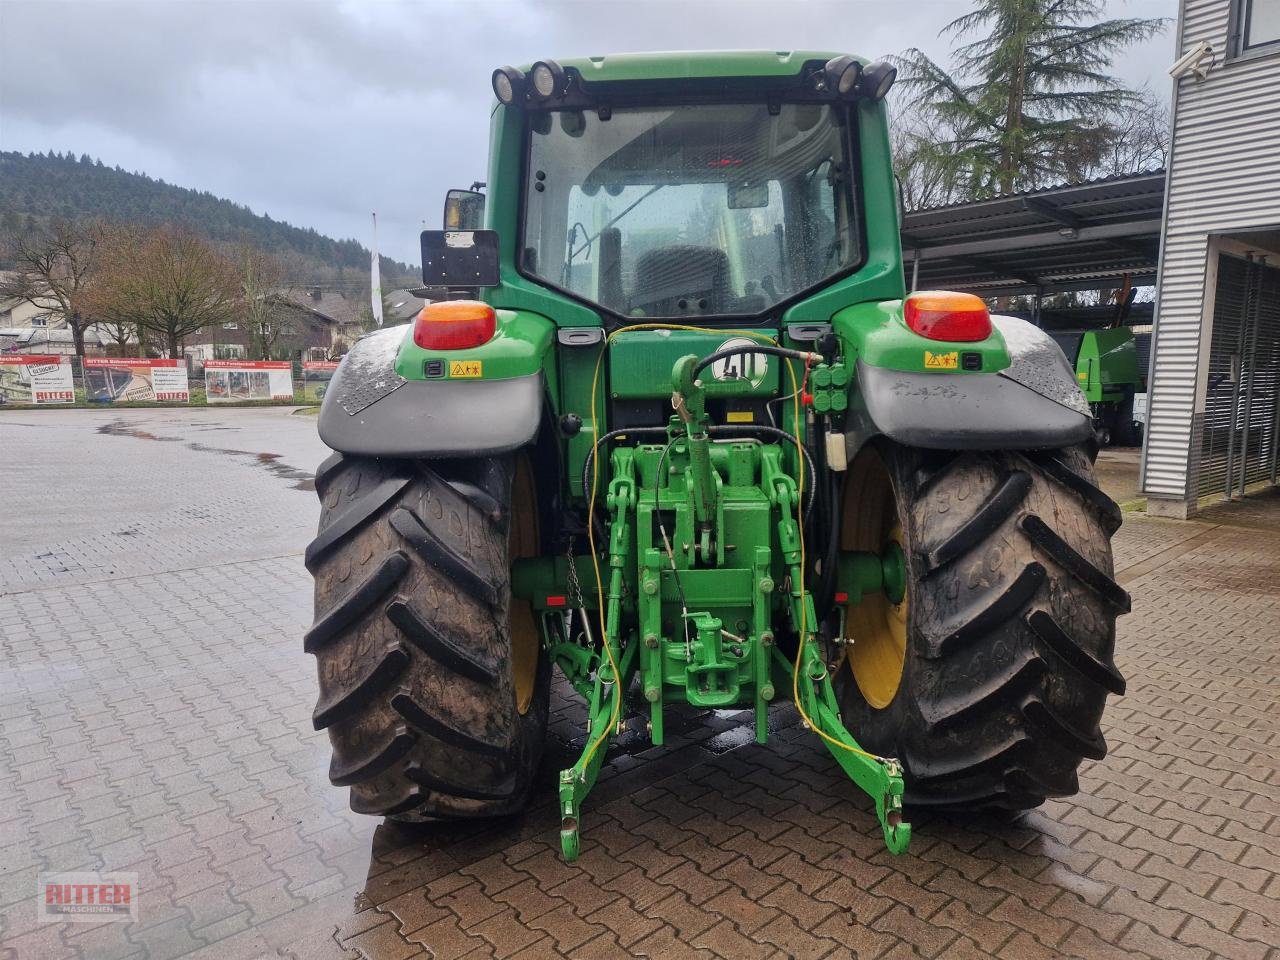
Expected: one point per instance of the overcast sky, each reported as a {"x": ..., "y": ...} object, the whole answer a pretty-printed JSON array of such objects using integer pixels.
[{"x": 318, "y": 113}]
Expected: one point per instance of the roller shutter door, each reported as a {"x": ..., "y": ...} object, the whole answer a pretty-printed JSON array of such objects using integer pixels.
[{"x": 1242, "y": 402}]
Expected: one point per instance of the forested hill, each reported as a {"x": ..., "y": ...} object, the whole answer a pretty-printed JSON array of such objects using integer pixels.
[{"x": 37, "y": 187}]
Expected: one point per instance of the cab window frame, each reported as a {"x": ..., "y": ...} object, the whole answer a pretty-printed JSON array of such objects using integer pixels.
[{"x": 855, "y": 211}]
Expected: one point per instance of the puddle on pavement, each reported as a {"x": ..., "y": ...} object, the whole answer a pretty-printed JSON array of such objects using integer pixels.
[
  {"x": 119, "y": 428},
  {"x": 303, "y": 479}
]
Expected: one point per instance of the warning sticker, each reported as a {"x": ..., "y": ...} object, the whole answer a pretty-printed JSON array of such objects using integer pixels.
[
  {"x": 469, "y": 369},
  {"x": 942, "y": 361}
]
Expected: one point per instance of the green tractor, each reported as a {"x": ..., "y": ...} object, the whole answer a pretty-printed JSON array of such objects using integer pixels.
[
  {"x": 678, "y": 432},
  {"x": 1106, "y": 365}
]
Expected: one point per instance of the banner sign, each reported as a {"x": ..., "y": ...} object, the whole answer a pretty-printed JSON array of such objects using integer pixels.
[
  {"x": 316, "y": 375},
  {"x": 27, "y": 378},
  {"x": 134, "y": 380},
  {"x": 232, "y": 381}
]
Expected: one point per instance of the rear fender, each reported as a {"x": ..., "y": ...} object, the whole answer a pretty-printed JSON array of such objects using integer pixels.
[
  {"x": 391, "y": 398},
  {"x": 1014, "y": 390}
]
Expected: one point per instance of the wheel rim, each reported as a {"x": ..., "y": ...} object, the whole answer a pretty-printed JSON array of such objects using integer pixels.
[
  {"x": 877, "y": 626},
  {"x": 522, "y": 625}
]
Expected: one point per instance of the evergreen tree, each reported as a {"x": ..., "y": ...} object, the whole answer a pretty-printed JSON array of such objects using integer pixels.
[{"x": 1030, "y": 98}]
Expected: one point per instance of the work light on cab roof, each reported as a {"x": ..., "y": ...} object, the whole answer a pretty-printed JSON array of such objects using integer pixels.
[
  {"x": 841, "y": 74},
  {"x": 876, "y": 80},
  {"x": 508, "y": 84},
  {"x": 548, "y": 80}
]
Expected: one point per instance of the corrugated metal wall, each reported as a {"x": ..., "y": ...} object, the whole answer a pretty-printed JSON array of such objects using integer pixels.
[{"x": 1224, "y": 177}]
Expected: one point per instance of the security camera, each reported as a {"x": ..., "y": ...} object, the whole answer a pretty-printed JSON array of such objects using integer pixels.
[{"x": 1190, "y": 61}]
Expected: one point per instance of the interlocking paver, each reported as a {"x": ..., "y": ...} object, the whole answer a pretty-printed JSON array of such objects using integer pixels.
[{"x": 158, "y": 720}]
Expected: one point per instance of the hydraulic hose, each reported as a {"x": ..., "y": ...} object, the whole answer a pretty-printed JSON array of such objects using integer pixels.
[
  {"x": 591, "y": 455},
  {"x": 803, "y": 356}
]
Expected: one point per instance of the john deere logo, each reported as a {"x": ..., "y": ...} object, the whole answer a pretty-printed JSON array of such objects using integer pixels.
[
  {"x": 741, "y": 366},
  {"x": 942, "y": 361}
]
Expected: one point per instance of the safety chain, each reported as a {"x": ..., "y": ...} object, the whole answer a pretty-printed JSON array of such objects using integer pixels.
[{"x": 575, "y": 585}]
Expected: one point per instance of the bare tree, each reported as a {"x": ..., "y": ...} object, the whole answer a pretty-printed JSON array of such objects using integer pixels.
[
  {"x": 923, "y": 178},
  {"x": 55, "y": 270},
  {"x": 1138, "y": 139},
  {"x": 364, "y": 309},
  {"x": 123, "y": 336},
  {"x": 169, "y": 283},
  {"x": 267, "y": 305},
  {"x": 113, "y": 316}
]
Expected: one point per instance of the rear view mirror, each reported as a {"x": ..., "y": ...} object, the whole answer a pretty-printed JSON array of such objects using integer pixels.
[
  {"x": 463, "y": 210},
  {"x": 460, "y": 258},
  {"x": 748, "y": 196}
]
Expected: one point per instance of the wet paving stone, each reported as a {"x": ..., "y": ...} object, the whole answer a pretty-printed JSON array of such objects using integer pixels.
[{"x": 155, "y": 719}]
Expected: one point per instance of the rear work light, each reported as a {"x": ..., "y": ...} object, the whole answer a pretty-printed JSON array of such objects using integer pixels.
[
  {"x": 940, "y": 315},
  {"x": 454, "y": 325}
]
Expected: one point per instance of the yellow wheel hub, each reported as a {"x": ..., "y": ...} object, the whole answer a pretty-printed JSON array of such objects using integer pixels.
[
  {"x": 522, "y": 624},
  {"x": 877, "y": 626}
]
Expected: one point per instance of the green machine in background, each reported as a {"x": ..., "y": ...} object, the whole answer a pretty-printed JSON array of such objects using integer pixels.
[
  {"x": 679, "y": 434},
  {"x": 1106, "y": 363}
]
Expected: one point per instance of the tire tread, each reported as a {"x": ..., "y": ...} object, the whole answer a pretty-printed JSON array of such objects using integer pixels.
[
  {"x": 357, "y": 603},
  {"x": 994, "y": 511},
  {"x": 436, "y": 553},
  {"x": 436, "y": 644},
  {"x": 341, "y": 704},
  {"x": 1075, "y": 563},
  {"x": 1012, "y": 632},
  {"x": 416, "y": 684},
  {"x": 352, "y": 519}
]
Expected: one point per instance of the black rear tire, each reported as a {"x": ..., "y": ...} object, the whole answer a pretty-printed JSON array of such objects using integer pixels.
[
  {"x": 1010, "y": 627},
  {"x": 417, "y": 670}
]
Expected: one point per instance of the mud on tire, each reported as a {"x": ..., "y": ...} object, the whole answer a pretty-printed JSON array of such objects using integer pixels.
[
  {"x": 1011, "y": 627},
  {"x": 417, "y": 679}
]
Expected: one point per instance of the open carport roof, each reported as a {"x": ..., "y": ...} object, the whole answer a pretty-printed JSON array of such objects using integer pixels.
[{"x": 1081, "y": 236}]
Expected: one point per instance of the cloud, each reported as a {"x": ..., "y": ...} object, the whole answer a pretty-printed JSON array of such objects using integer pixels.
[{"x": 319, "y": 113}]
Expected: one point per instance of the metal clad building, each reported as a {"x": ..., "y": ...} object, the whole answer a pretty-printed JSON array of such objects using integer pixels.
[{"x": 1222, "y": 216}]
